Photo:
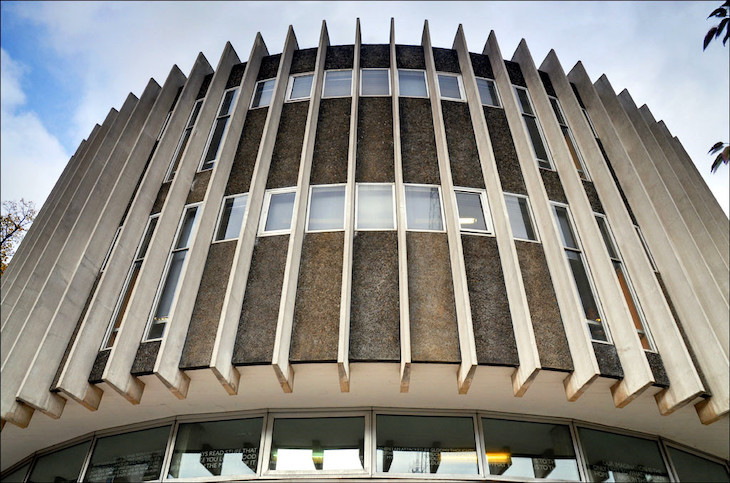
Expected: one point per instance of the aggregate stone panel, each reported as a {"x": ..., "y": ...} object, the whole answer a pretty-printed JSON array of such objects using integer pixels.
[
  {"x": 329, "y": 160},
  {"x": 418, "y": 144},
  {"x": 434, "y": 334},
  {"x": 236, "y": 75},
  {"x": 269, "y": 67},
  {"x": 339, "y": 57},
  {"x": 303, "y": 61},
  {"x": 481, "y": 65},
  {"x": 446, "y": 60},
  {"x": 609, "y": 364},
  {"x": 198, "y": 187},
  {"x": 505, "y": 155},
  {"x": 375, "y": 56},
  {"x": 593, "y": 198},
  {"x": 547, "y": 83},
  {"x": 410, "y": 57},
  {"x": 315, "y": 336},
  {"x": 260, "y": 311},
  {"x": 98, "y": 368},
  {"x": 198, "y": 348},
  {"x": 244, "y": 161},
  {"x": 375, "y": 162},
  {"x": 161, "y": 197},
  {"x": 618, "y": 184},
  {"x": 466, "y": 170},
  {"x": 144, "y": 361},
  {"x": 287, "y": 153},
  {"x": 374, "y": 307},
  {"x": 547, "y": 325},
  {"x": 515, "y": 73},
  {"x": 553, "y": 186},
  {"x": 204, "y": 86},
  {"x": 657, "y": 369},
  {"x": 490, "y": 313}
]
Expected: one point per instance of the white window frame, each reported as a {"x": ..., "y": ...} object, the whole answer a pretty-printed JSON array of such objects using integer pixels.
[
  {"x": 590, "y": 122},
  {"x": 441, "y": 207},
  {"x": 646, "y": 249},
  {"x": 265, "y": 211},
  {"x": 496, "y": 91},
  {"x": 324, "y": 83},
  {"x": 220, "y": 216},
  {"x": 531, "y": 220},
  {"x": 585, "y": 175},
  {"x": 253, "y": 95},
  {"x": 182, "y": 136},
  {"x": 539, "y": 129},
  {"x": 486, "y": 211},
  {"x": 290, "y": 86},
  {"x": 164, "y": 125},
  {"x": 387, "y": 70},
  {"x": 225, "y": 129},
  {"x": 393, "y": 198},
  {"x": 459, "y": 82},
  {"x": 428, "y": 93},
  {"x": 111, "y": 248},
  {"x": 309, "y": 206}
]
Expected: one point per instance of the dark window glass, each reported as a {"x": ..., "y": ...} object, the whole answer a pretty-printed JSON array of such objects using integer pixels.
[
  {"x": 232, "y": 218},
  {"x": 301, "y": 87},
  {"x": 537, "y": 143},
  {"x": 63, "y": 465},
  {"x": 471, "y": 211},
  {"x": 690, "y": 467},
  {"x": 449, "y": 86},
  {"x": 524, "y": 101},
  {"x": 488, "y": 92},
  {"x": 566, "y": 232},
  {"x": 18, "y": 475},
  {"x": 183, "y": 239},
  {"x": 590, "y": 307},
  {"x": 519, "y": 217},
  {"x": 215, "y": 142},
  {"x": 147, "y": 237}
]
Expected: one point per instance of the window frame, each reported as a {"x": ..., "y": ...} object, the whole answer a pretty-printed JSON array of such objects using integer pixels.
[
  {"x": 428, "y": 93},
  {"x": 583, "y": 174},
  {"x": 486, "y": 211},
  {"x": 290, "y": 87},
  {"x": 459, "y": 82},
  {"x": 224, "y": 134},
  {"x": 265, "y": 212},
  {"x": 530, "y": 213},
  {"x": 393, "y": 200},
  {"x": 646, "y": 248},
  {"x": 220, "y": 217},
  {"x": 590, "y": 122},
  {"x": 169, "y": 174},
  {"x": 253, "y": 95},
  {"x": 549, "y": 161},
  {"x": 387, "y": 70},
  {"x": 496, "y": 91},
  {"x": 441, "y": 208},
  {"x": 309, "y": 207},
  {"x": 324, "y": 84}
]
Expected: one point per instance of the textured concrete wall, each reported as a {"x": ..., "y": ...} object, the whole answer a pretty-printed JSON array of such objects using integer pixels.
[
  {"x": 466, "y": 170},
  {"x": 161, "y": 196},
  {"x": 615, "y": 179},
  {"x": 260, "y": 311},
  {"x": 374, "y": 308},
  {"x": 236, "y": 75},
  {"x": 657, "y": 369},
  {"x": 608, "y": 361},
  {"x": 339, "y": 57},
  {"x": 418, "y": 145},
  {"x": 553, "y": 186},
  {"x": 375, "y": 162},
  {"x": 434, "y": 335},
  {"x": 239, "y": 181},
  {"x": 593, "y": 198},
  {"x": 198, "y": 187},
  {"x": 208, "y": 304},
  {"x": 410, "y": 57},
  {"x": 374, "y": 56},
  {"x": 515, "y": 74},
  {"x": 98, "y": 369},
  {"x": 480, "y": 64},
  {"x": 446, "y": 60},
  {"x": 144, "y": 361},
  {"x": 317, "y": 309},
  {"x": 303, "y": 61},
  {"x": 493, "y": 332},
  {"x": 287, "y": 153},
  {"x": 269, "y": 67},
  {"x": 505, "y": 155},
  {"x": 204, "y": 86},
  {"x": 329, "y": 160}
]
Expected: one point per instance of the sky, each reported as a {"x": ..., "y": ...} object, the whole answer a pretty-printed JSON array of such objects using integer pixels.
[{"x": 65, "y": 64}]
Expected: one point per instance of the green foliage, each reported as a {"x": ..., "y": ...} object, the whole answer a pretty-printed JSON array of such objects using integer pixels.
[
  {"x": 722, "y": 158},
  {"x": 17, "y": 216},
  {"x": 715, "y": 32}
]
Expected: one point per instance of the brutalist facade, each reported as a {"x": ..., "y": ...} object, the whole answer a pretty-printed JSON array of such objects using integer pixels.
[{"x": 371, "y": 260}]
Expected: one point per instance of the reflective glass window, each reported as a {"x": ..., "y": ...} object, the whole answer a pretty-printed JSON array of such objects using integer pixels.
[
  {"x": 263, "y": 93},
  {"x": 412, "y": 83},
  {"x": 17, "y": 476},
  {"x": 337, "y": 83},
  {"x": 301, "y": 87},
  {"x": 374, "y": 82},
  {"x": 375, "y": 209},
  {"x": 327, "y": 208},
  {"x": 449, "y": 86},
  {"x": 219, "y": 128},
  {"x": 423, "y": 208},
  {"x": 488, "y": 92},
  {"x": 184, "y": 138},
  {"x": 280, "y": 208},
  {"x": 231, "y": 217},
  {"x": 519, "y": 217},
  {"x": 63, "y": 465},
  {"x": 690, "y": 467},
  {"x": 533, "y": 128},
  {"x": 471, "y": 211}
]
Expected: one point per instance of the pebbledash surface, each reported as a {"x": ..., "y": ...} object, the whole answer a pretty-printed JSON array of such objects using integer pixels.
[{"x": 371, "y": 260}]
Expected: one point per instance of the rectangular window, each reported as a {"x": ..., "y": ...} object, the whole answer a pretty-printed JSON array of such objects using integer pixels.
[
  {"x": 473, "y": 215},
  {"x": 63, "y": 465},
  {"x": 326, "y": 208},
  {"x": 164, "y": 126},
  {"x": 184, "y": 138},
  {"x": 231, "y": 217},
  {"x": 277, "y": 212},
  {"x": 488, "y": 92},
  {"x": 581, "y": 276},
  {"x": 520, "y": 217},
  {"x": 121, "y": 308},
  {"x": 412, "y": 83},
  {"x": 375, "y": 82},
  {"x": 637, "y": 316},
  {"x": 300, "y": 87},
  {"x": 450, "y": 86},
  {"x": 111, "y": 247},
  {"x": 337, "y": 83},
  {"x": 263, "y": 93},
  {"x": 590, "y": 123},
  {"x": 167, "y": 293},
  {"x": 534, "y": 132},
  {"x": 423, "y": 208},
  {"x": 646, "y": 248},
  {"x": 375, "y": 207},
  {"x": 569, "y": 140},
  {"x": 219, "y": 129}
]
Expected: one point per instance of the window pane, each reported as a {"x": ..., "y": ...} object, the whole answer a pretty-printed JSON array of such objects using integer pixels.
[
  {"x": 63, "y": 465},
  {"x": 537, "y": 144},
  {"x": 423, "y": 208},
  {"x": 301, "y": 87},
  {"x": 127, "y": 295},
  {"x": 232, "y": 218},
  {"x": 133, "y": 456},
  {"x": 556, "y": 109},
  {"x": 646, "y": 248},
  {"x": 590, "y": 307},
  {"x": 338, "y": 83},
  {"x": 488, "y": 92},
  {"x": 695, "y": 468},
  {"x": 179, "y": 153},
  {"x": 412, "y": 83},
  {"x": 632, "y": 305},
  {"x": 227, "y": 104},
  {"x": 327, "y": 208},
  {"x": 531, "y": 450},
  {"x": 616, "y": 457},
  {"x": 280, "y": 211},
  {"x": 194, "y": 115},
  {"x": 375, "y": 207},
  {"x": 215, "y": 142},
  {"x": 164, "y": 306},
  {"x": 471, "y": 212},
  {"x": 606, "y": 237},
  {"x": 18, "y": 475},
  {"x": 147, "y": 237},
  {"x": 449, "y": 86},
  {"x": 573, "y": 152},
  {"x": 263, "y": 93},
  {"x": 375, "y": 82},
  {"x": 566, "y": 232},
  {"x": 524, "y": 101},
  {"x": 519, "y": 217},
  {"x": 183, "y": 239},
  {"x": 315, "y": 444},
  {"x": 222, "y": 448},
  {"x": 426, "y": 444}
]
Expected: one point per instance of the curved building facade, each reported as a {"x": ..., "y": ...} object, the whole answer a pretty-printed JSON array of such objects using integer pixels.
[{"x": 371, "y": 260}]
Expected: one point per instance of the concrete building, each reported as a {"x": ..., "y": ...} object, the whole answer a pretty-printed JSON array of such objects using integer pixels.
[{"x": 371, "y": 260}]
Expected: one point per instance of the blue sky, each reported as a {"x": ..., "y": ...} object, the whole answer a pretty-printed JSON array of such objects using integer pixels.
[{"x": 65, "y": 64}]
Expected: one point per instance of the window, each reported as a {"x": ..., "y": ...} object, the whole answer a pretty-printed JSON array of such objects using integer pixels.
[
  {"x": 520, "y": 217},
  {"x": 300, "y": 87},
  {"x": 63, "y": 465},
  {"x": 646, "y": 248},
  {"x": 277, "y": 212},
  {"x": 690, "y": 467},
  {"x": 337, "y": 83},
  {"x": 263, "y": 93},
  {"x": 581, "y": 276},
  {"x": 231, "y": 217},
  {"x": 471, "y": 205},
  {"x": 164, "y": 125},
  {"x": 184, "y": 138},
  {"x": 326, "y": 208},
  {"x": 637, "y": 316},
  {"x": 488, "y": 92},
  {"x": 167, "y": 294},
  {"x": 129, "y": 284},
  {"x": 568, "y": 136},
  {"x": 423, "y": 208},
  {"x": 450, "y": 86},
  {"x": 375, "y": 207},
  {"x": 590, "y": 123},
  {"x": 219, "y": 129},
  {"x": 375, "y": 82},
  {"x": 533, "y": 128},
  {"x": 412, "y": 83},
  {"x": 111, "y": 247}
]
